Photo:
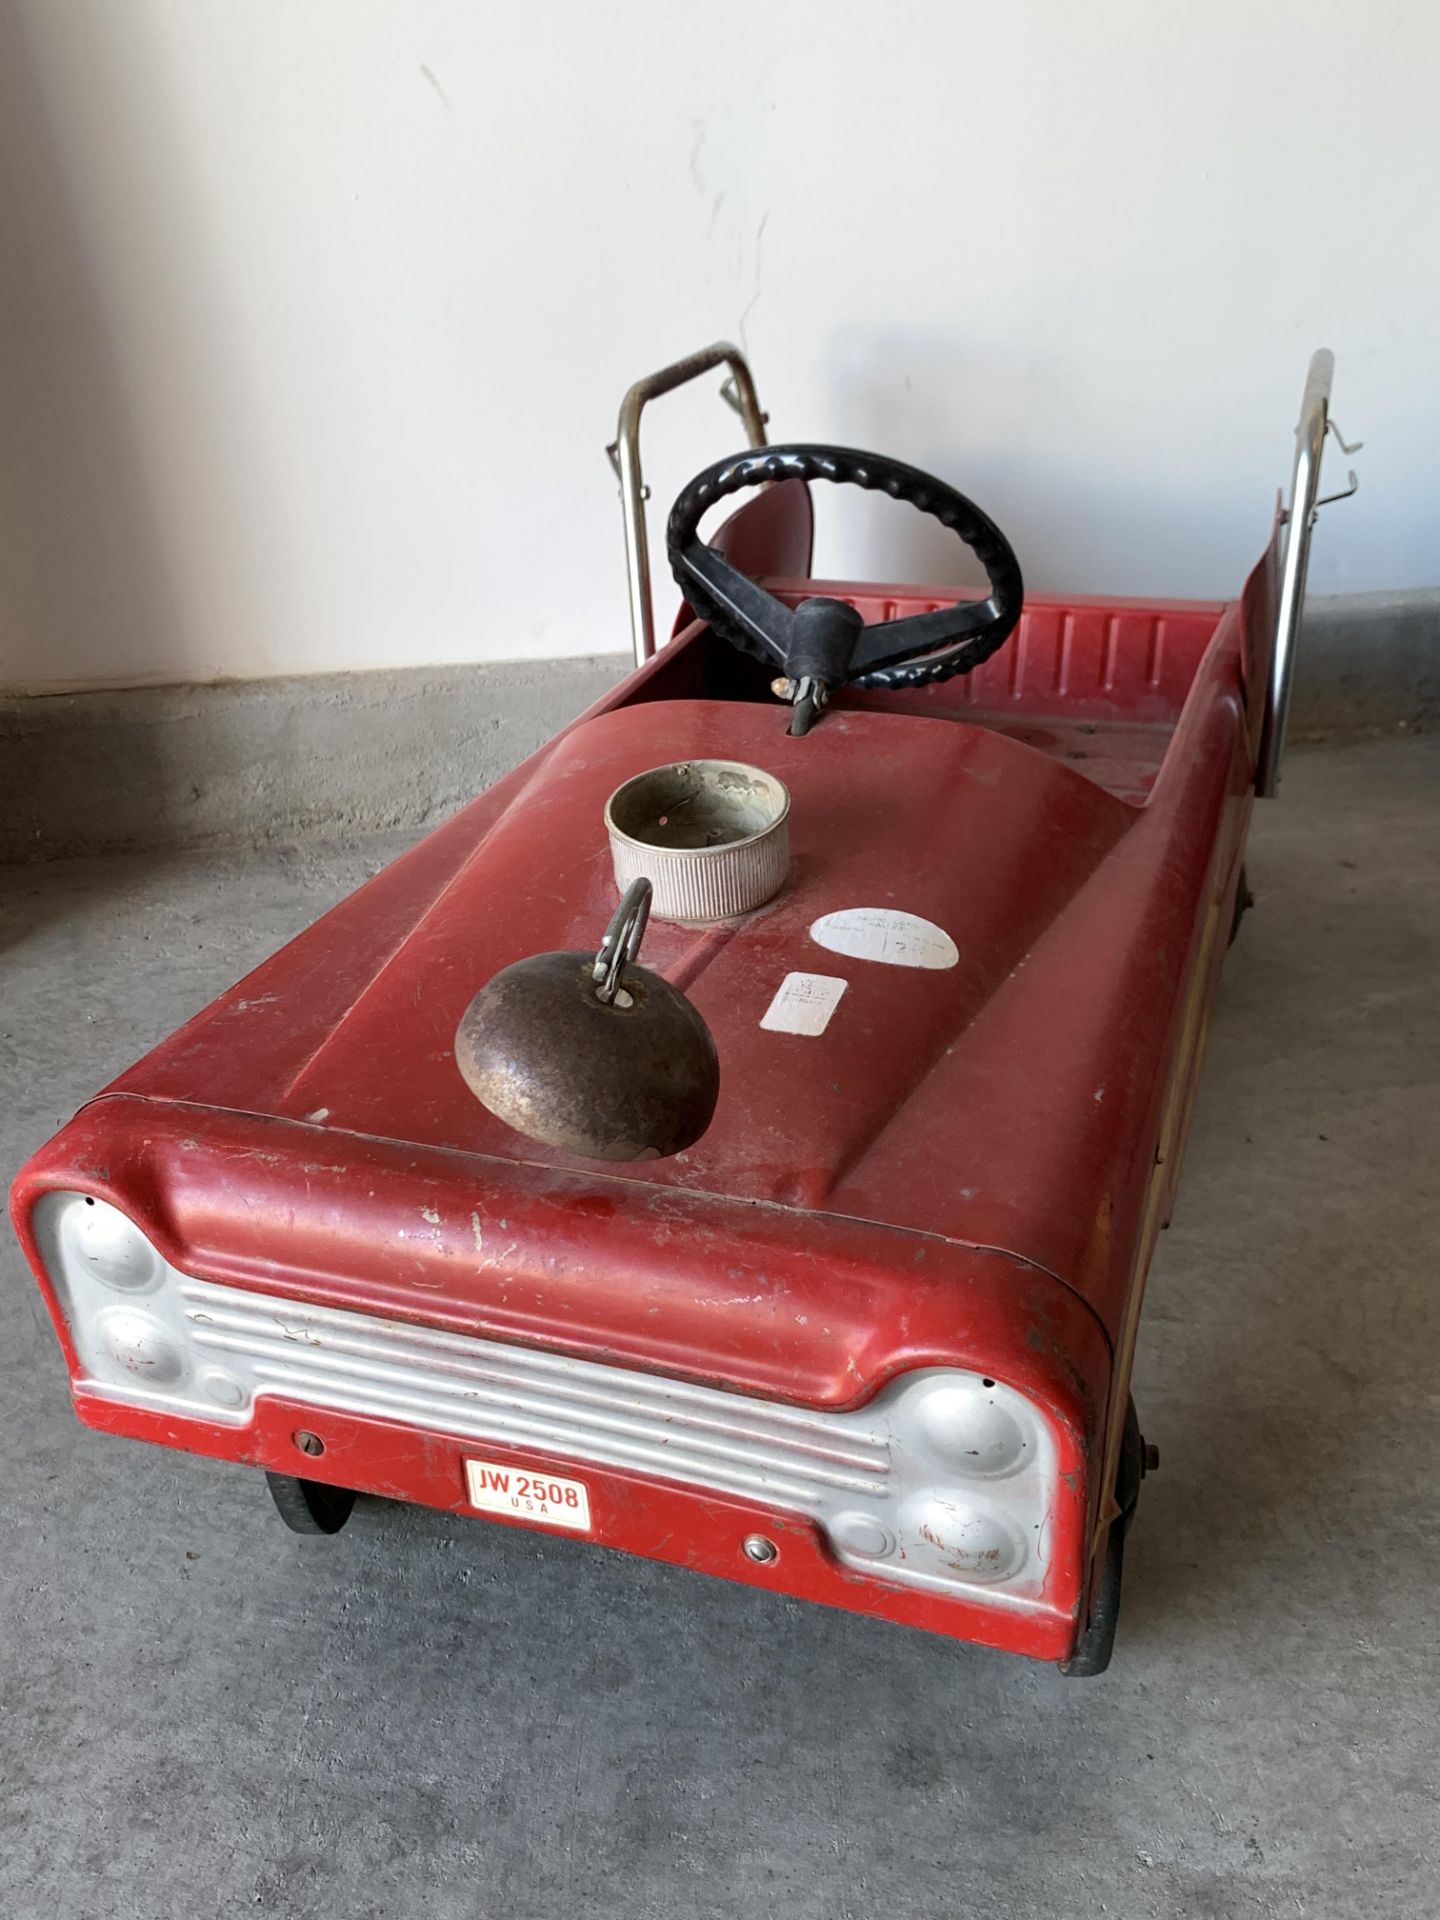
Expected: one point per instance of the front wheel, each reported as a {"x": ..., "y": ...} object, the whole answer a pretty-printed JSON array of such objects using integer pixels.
[
  {"x": 1096, "y": 1644},
  {"x": 309, "y": 1506}
]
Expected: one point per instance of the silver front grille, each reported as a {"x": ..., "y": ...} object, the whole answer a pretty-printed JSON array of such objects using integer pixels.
[{"x": 486, "y": 1390}]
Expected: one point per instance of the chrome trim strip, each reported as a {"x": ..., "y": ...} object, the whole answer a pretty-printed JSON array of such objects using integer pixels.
[{"x": 1300, "y": 517}]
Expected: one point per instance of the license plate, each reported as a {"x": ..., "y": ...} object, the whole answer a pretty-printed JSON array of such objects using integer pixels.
[{"x": 528, "y": 1493}]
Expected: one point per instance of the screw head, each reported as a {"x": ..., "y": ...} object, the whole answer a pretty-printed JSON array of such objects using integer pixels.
[
  {"x": 307, "y": 1442},
  {"x": 762, "y": 1551}
]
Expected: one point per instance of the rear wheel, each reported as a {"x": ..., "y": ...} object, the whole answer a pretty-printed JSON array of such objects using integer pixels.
[
  {"x": 1244, "y": 900},
  {"x": 309, "y": 1506},
  {"x": 1097, "y": 1643}
]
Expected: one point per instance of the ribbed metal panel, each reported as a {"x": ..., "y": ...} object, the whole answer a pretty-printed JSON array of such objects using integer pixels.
[
  {"x": 486, "y": 1390},
  {"x": 707, "y": 884}
]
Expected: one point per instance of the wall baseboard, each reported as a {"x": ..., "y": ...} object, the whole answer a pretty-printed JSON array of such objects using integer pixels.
[
  {"x": 249, "y": 762},
  {"x": 1368, "y": 663}
]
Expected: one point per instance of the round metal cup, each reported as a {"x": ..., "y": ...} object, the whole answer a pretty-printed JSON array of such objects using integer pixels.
[{"x": 711, "y": 836}]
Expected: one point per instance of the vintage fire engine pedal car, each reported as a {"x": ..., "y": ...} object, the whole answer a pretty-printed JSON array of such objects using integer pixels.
[{"x": 809, "y": 1249}]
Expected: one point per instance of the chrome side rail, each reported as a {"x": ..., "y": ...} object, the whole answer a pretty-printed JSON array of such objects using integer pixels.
[
  {"x": 624, "y": 452},
  {"x": 1299, "y": 517}
]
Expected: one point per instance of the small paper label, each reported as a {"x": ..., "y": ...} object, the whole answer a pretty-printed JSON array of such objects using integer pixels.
[
  {"x": 804, "y": 1003},
  {"x": 880, "y": 933}
]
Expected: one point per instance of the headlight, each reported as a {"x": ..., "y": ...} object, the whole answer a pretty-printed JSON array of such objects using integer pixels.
[
  {"x": 974, "y": 1465},
  {"x": 122, "y": 1304},
  {"x": 137, "y": 1344},
  {"x": 102, "y": 1243},
  {"x": 945, "y": 1480},
  {"x": 971, "y": 1426}
]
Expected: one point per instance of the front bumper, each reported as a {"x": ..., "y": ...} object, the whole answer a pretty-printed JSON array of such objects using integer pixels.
[{"x": 681, "y": 1464}]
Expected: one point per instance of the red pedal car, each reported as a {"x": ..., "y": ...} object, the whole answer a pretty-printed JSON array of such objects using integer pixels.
[{"x": 808, "y": 1248}]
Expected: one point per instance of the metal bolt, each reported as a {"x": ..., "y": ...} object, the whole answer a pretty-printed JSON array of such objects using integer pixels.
[
  {"x": 760, "y": 1550},
  {"x": 310, "y": 1443}
]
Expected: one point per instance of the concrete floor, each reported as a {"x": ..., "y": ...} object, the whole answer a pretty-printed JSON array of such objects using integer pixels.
[{"x": 202, "y": 1713}]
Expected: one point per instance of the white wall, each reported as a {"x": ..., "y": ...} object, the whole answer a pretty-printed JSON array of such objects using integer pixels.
[{"x": 314, "y": 314}]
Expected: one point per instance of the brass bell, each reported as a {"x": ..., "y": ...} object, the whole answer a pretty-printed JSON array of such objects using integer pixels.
[{"x": 592, "y": 1052}]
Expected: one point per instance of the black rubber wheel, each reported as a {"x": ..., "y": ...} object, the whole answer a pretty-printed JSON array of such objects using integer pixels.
[
  {"x": 309, "y": 1506},
  {"x": 1097, "y": 1643},
  {"x": 1244, "y": 900}
]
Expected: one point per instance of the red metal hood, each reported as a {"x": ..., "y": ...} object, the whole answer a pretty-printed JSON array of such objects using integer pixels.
[{"x": 992, "y": 1102}]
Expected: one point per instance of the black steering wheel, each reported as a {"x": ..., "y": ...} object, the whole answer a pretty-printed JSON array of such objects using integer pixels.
[{"x": 823, "y": 644}]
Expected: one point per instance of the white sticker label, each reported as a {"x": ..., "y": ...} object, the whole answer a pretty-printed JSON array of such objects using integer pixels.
[
  {"x": 804, "y": 1003},
  {"x": 528, "y": 1493},
  {"x": 879, "y": 933}
]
